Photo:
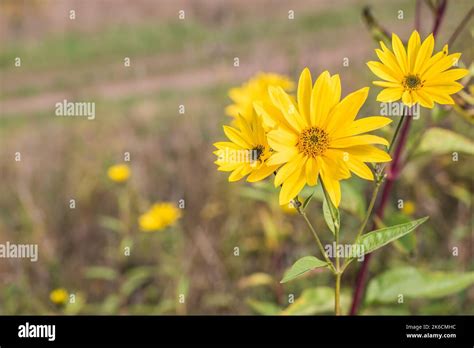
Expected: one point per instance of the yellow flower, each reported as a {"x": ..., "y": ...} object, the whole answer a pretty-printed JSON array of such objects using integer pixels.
[
  {"x": 408, "y": 208},
  {"x": 59, "y": 296},
  {"x": 119, "y": 172},
  {"x": 414, "y": 75},
  {"x": 319, "y": 136},
  {"x": 247, "y": 152},
  {"x": 289, "y": 209},
  {"x": 254, "y": 90},
  {"x": 158, "y": 217}
]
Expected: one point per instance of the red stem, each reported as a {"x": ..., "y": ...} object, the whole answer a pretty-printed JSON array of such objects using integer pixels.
[{"x": 392, "y": 174}]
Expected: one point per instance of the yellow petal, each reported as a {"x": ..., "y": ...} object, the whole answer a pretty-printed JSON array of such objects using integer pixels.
[
  {"x": 282, "y": 136},
  {"x": 283, "y": 101},
  {"x": 346, "y": 110},
  {"x": 312, "y": 171},
  {"x": 407, "y": 98},
  {"x": 368, "y": 153},
  {"x": 237, "y": 137},
  {"x": 365, "y": 139},
  {"x": 400, "y": 53},
  {"x": 426, "y": 50},
  {"x": 292, "y": 187},
  {"x": 305, "y": 85},
  {"x": 360, "y": 169},
  {"x": 383, "y": 72},
  {"x": 447, "y": 77},
  {"x": 237, "y": 174},
  {"x": 320, "y": 98},
  {"x": 438, "y": 96},
  {"x": 333, "y": 188},
  {"x": 282, "y": 156},
  {"x": 289, "y": 169},
  {"x": 413, "y": 47},
  {"x": 440, "y": 66},
  {"x": 227, "y": 144},
  {"x": 387, "y": 84},
  {"x": 336, "y": 164},
  {"x": 363, "y": 125},
  {"x": 389, "y": 60},
  {"x": 389, "y": 95},
  {"x": 260, "y": 174},
  {"x": 424, "y": 99}
]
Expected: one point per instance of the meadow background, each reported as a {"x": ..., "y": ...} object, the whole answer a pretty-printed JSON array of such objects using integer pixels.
[{"x": 190, "y": 62}]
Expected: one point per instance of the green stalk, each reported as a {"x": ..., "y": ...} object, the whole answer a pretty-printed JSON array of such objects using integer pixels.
[
  {"x": 313, "y": 231},
  {"x": 338, "y": 274}
]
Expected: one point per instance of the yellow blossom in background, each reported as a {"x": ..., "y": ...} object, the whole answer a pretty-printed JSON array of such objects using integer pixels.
[
  {"x": 414, "y": 75},
  {"x": 289, "y": 209},
  {"x": 247, "y": 152},
  {"x": 408, "y": 208},
  {"x": 119, "y": 172},
  {"x": 59, "y": 296},
  {"x": 256, "y": 89},
  {"x": 159, "y": 216},
  {"x": 319, "y": 137}
]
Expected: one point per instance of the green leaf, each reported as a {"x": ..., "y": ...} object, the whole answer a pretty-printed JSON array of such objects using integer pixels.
[
  {"x": 376, "y": 239},
  {"x": 413, "y": 283},
  {"x": 353, "y": 199},
  {"x": 111, "y": 223},
  {"x": 328, "y": 217},
  {"x": 308, "y": 199},
  {"x": 134, "y": 279},
  {"x": 302, "y": 266},
  {"x": 316, "y": 301},
  {"x": 264, "y": 308},
  {"x": 441, "y": 141},
  {"x": 99, "y": 272}
]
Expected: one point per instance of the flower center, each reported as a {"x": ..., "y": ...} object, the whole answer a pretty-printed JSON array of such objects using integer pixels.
[
  {"x": 257, "y": 152},
  {"x": 412, "y": 82},
  {"x": 313, "y": 141}
]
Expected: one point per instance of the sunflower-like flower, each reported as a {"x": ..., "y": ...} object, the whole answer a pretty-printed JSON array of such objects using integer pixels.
[
  {"x": 159, "y": 216},
  {"x": 59, "y": 296},
  {"x": 247, "y": 151},
  {"x": 119, "y": 172},
  {"x": 255, "y": 89},
  {"x": 319, "y": 136},
  {"x": 414, "y": 75}
]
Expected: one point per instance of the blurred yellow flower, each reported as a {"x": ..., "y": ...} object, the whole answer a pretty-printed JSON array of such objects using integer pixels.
[
  {"x": 408, "y": 208},
  {"x": 59, "y": 296},
  {"x": 247, "y": 152},
  {"x": 159, "y": 216},
  {"x": 256, "y": 89},
  {"x": 119, "y": 172},
  {"x": 289, "y": 209},
  {"x": 414, "y": 75},
  {"x": 319, "y": 136}
]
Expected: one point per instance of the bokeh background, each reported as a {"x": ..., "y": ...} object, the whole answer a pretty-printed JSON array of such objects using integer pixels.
[{"x": 194, "y": 267}]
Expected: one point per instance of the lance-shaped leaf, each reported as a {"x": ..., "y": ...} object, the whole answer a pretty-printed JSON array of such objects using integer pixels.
[
  {"x": 376, "y": 239},
  {"x": 415, "y": 283},
  {"x": 328, "y": 215},
  {"x": 302, "y": 266}
]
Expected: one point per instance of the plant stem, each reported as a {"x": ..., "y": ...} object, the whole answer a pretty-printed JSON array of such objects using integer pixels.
[
  {"x": 337, "y": 289},
  {"x": 461, "y": 25},
  {"x": 337, "y": 300},
  {"x": 313, "y": 231}
]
